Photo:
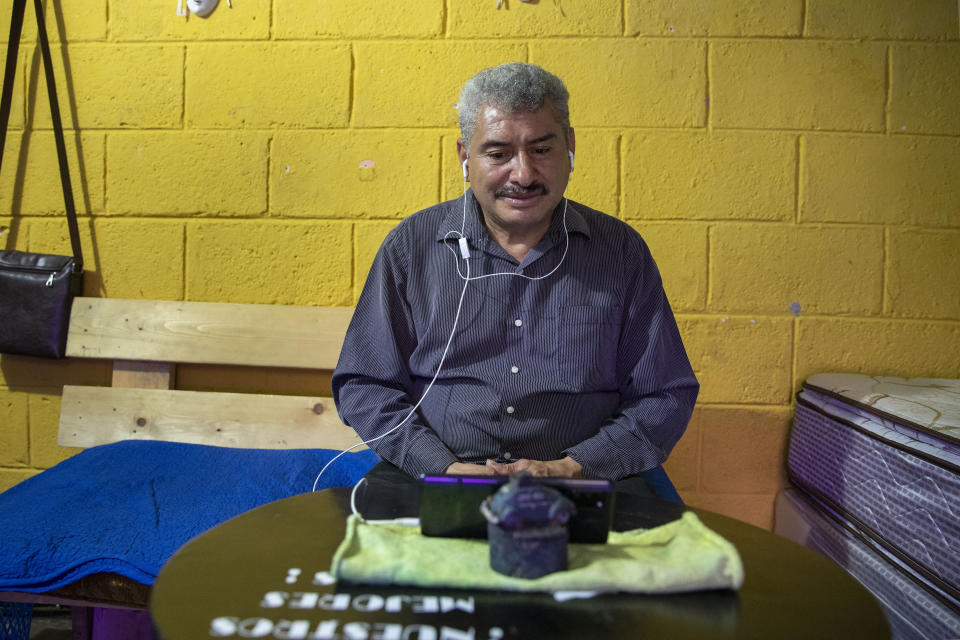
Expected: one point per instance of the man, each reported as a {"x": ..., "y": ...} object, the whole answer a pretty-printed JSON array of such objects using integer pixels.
[{"x": 543, "y": 321}]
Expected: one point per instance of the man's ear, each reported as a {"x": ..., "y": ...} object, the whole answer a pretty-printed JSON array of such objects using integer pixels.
[
  {"x": 462, "y": 157},
  {"x": 572, "y": 141}
]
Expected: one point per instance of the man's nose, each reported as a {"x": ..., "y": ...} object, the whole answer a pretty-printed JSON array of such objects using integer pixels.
[{"x": 523, "y": 171}]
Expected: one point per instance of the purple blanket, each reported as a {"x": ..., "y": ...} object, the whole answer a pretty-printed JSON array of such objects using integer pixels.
[{"x": 127, "y": 507}]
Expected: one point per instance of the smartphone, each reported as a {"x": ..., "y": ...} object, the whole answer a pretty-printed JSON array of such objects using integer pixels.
[{"x": 450, "y": 505}]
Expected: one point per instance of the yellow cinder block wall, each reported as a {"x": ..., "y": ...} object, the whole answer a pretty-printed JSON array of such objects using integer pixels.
[{"x": 792, "y": 163}]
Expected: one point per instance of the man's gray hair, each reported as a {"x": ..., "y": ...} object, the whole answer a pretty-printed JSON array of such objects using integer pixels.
[{"x": 512, "y": 87}]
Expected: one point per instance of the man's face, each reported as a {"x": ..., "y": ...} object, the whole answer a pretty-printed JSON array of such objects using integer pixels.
[{"x": 518, "y": 167}]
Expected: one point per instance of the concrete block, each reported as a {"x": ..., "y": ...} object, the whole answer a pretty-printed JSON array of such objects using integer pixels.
[
  {"x": 358, "y": 19},
  {"x": 770, "y": 268},
  {"x": 680, "y": 250},
  {"x": 595, "y": 180},
  {"x": 188, "y": 172},
  {"x": 62, "y": 26},
  {"x": 882, "y": 347},
  {"x": 397, "y": 84},
  {"x": 76, "y": 26},
  {"x": 152, "y": 20},
  {"x": 880, "y": 180},
  {"x": 12, "y": 477},
  {"x": 353, "y": 174},
  {"x": 136, "y": 259},
  {"x": 683, "y": 465},
  {"x": 451, "y": 181},
  {"x": 30, "y": 183},
  {"x": 923, "y": 269},
  {"x": 739, "y": 359},
  {"x": 299, "y": 262},
  {"x": 645, "y": 83},
  {"x": 744, "y": 449},
  {"x": 727, "y": 18},
  {"x": 369, "y": 237},
  {"x": 535, "y": 20},
  {"x": 925, "y": 88},
  {"x": 709, "y": 176},
  {"x": 14, "y": 447},
  {"x": 17, "y": 102},
  {"x": 795, "y": 84},
  {"x": 882, "y": 19},
  {"x": 116, "y": 86},
  {"x": 235, "y": 85},
  {"x": 44, "y": 425}
]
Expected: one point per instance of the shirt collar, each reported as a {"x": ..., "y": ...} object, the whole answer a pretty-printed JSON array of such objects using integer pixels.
[{"x": 477, "y": 235}]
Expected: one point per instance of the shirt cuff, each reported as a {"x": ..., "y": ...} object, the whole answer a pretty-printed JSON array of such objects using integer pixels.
[
  {"x": 426, "y": 455},
  {"x": 599, "y": 463}
]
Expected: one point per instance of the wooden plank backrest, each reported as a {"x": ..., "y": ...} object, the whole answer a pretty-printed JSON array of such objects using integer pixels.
[
  {"x": 147, "y": 338},
  {"x": 207, "y": 332}
]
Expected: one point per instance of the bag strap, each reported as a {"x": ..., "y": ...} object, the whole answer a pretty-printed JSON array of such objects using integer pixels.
[
  {"x": 10, "y": 71},
  {"x": 6, "y": 100}
]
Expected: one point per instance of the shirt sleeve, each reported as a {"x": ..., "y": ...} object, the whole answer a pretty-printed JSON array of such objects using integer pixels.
[
  {"x": 657, "y": 386},
  {"x": 372, "y": 386}
]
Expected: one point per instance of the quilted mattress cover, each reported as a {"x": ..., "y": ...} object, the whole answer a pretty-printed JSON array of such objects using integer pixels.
[
  {"x": 915, "y": 611},
  {"x": 883, "y": 454}
]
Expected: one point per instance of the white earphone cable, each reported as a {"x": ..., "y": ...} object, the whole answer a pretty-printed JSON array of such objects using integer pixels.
[
  {"x": 463, "y": 227},
  {"x": 456, "y": 320}
]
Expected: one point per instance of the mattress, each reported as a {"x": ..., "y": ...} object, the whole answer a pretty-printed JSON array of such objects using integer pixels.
[
  {"x": 882, "y": 456},
  {"x": 914, "y": 611}
]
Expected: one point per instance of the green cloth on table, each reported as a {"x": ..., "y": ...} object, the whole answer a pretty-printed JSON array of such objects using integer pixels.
[{"x": 682, "y": 555}]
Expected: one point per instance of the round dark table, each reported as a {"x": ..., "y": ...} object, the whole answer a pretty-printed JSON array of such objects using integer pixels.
[{"x": 263, "y": 575}]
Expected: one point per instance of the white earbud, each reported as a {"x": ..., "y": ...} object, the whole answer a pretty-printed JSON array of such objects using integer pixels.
[
  {"x": 464, "y": 167},
  {"x": 571, "y": 160}
]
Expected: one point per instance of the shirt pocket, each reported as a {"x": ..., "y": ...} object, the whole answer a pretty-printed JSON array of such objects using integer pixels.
[{"x": 588, "y": 339}]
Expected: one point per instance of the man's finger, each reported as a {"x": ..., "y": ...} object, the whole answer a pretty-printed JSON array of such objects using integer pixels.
[{"x": 499, "y": 468}]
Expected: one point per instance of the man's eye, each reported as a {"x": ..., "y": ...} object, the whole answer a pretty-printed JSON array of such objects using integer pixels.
[
  {"x": 497, "y": 156},
  {"x": 542, "y": 150}
]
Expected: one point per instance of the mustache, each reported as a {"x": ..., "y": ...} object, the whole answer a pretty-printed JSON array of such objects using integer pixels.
[{"x": 517, "y": 190}]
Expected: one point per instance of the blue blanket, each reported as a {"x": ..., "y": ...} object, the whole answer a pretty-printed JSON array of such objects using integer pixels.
[{"x": 127, "y": 507}]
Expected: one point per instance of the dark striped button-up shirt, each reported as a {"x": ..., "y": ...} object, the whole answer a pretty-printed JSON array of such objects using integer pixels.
[{"x": 587, "y": 362}]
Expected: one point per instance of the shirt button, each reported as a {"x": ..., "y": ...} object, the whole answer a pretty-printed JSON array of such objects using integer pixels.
[
  {"x": 514, "y": 369},
  {"x": 506, "y": 455},
  {"x": 510, "y": 409},
  {"x": 518, "y": 322}
]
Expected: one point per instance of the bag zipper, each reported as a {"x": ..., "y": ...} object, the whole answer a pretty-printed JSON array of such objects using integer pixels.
[{"x": 52, "y": 272}]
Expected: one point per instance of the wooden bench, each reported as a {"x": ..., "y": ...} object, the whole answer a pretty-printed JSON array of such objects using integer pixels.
[{"x": 147, "y": 340}]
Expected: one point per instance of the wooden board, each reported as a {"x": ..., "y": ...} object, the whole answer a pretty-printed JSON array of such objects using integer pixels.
[
  {"x": 91, "y": 416},
  {"x": 208, "y": 332}
]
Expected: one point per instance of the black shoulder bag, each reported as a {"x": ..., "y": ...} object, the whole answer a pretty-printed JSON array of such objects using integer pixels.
[{"x": 36, "y": 289}]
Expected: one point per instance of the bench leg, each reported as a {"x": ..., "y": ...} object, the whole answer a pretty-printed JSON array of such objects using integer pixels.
[
  {"x": 82, "y": 618},
  {"x": 129, "y": 624}
]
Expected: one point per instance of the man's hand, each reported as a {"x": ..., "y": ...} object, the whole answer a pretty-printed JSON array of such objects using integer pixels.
[
  {"x": 563, "y": 468},
  {"x": 466, "y": 469}
]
